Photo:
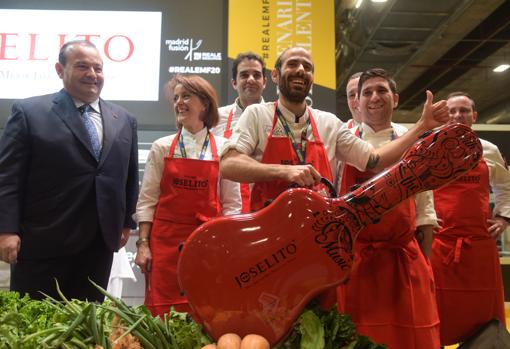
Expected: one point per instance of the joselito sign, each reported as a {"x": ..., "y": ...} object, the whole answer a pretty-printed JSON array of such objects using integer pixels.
[{"x": 129, "y": 43}]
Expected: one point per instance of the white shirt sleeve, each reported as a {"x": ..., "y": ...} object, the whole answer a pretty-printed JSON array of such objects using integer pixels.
[
  {"x": 244, "y": 136},
  {"x": 425, "y": 211},
  {"x": 229, "y": 191},
  {"x": 351, "y": 149},
  {"x": 150, "y": 190},
  {"x": 499, "y": 178},
  {"x": 230, "y": 197}
]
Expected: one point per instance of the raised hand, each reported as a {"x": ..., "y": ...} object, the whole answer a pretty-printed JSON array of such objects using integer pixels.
[{"x": 433, "y": 114}]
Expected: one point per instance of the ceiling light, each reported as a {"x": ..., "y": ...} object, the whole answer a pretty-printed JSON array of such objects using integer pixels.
[
  {"x": 501, "y": 68},
  {"x": 358, "y": 3},
  {"x": 379, "y": 0}
]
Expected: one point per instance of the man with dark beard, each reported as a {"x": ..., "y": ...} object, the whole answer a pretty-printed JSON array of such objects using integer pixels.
[{"x": 278, "y": 143}]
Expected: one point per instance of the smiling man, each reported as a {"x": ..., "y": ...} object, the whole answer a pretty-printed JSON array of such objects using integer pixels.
[
  {"x": 351, "y": 90},
  {"x": 249, "y": 80},
  {"x": 278, "y": 143},
  {"x": 381, "y": 250},
  {"x": 69, "y": 182}
]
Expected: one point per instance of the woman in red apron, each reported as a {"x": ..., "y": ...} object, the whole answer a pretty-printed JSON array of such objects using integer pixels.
[
  {"x": 188, "y": 194},
  {"x": 390, "y": 292},
  {"x": 465, "y": 259}
]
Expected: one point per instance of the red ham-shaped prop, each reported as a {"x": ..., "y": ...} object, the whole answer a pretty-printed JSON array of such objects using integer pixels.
[{"x": 254, "y": 273}]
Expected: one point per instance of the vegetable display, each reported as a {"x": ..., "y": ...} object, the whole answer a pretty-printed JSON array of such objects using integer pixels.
[{"x": 66, "y": 324}]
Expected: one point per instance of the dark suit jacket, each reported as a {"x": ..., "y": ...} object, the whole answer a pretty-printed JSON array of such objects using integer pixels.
[{"x": 53, "y": 192}]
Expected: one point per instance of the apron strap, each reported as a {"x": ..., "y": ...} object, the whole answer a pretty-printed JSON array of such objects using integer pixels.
[
  {"x": 228, "y": 131},
  {"x": 214, "y": 149},
  {"x": 315, "y": 132},
  {"x": 174, "y": 144},
  {"x": 455, "y": 252},
  {"x": 369, "y": 248}
]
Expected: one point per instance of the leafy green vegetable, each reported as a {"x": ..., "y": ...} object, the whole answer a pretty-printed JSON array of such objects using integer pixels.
[
  {"x": 20, "y": 317},
  {"x": 320, "y": 329},
  {"x": 312, "y": 331},
  {"x": 187, "y": 333},
  {"x": 34, "y": 324}
]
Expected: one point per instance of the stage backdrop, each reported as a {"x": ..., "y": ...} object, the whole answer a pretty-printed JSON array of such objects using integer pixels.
[
  {"x": 269, "y": 27},
  {"x": 143, "y": 44}
]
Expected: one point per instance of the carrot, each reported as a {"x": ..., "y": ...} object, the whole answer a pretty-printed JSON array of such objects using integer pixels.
[
  {"x": 229, "y": 341},
  {"x": 254, "y": 341}
]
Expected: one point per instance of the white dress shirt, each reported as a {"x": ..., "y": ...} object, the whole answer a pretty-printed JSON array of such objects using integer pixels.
[
  {"x": 95, "y": 116},
  {"x": 499, "y": 178}
]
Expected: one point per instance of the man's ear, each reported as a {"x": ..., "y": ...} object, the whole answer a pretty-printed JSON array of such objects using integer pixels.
[
  {"x": 234, "y": 83},
  {"x": 275, "y": 76},
  {"x": 475, "y": 115},
  {"x": 396, "y": 98},
  {"x": 60, "y": 70}
]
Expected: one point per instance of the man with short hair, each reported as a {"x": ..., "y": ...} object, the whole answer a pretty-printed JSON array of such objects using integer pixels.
[
  {"x": 389, "y": 250},
  {"x": 249, "y": 80},
  {"x": 465, "y": 258},
  {"x": 69, "y": 182},
  {"x": 278, "y": 143},
  {"x": 351, "y": 89},
  {"x": 357, "y": 118}
]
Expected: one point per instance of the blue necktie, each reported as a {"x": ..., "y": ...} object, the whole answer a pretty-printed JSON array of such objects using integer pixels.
[{"x": 91, "y": 129}]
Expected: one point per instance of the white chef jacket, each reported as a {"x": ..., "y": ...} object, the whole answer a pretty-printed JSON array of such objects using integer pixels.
[
  {"x": 230, "y": 198},
  {"x": 251, "y": 133},
  {"x": 425, "y": 212}
]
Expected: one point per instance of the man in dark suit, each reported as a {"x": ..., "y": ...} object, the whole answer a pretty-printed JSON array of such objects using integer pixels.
[{"x": 67, "y": 188}]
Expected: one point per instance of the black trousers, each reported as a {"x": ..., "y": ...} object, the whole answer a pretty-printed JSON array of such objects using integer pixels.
[{"x": 39, "y": 276}]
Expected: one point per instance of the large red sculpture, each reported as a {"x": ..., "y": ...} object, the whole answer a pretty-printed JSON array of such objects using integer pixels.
[{"x": 255, "y": 273}]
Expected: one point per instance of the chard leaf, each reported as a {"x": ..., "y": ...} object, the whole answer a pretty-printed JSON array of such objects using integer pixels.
[{"x": 312, "y": 331}]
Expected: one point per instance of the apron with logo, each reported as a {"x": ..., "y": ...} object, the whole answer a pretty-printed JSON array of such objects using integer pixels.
[
  {"x": 281, "y": 150},
  {"x": 189, "y": 196},
  {"x": 465, "y": 259},
  {"x": 390, "y": 292},
  {"x": 244, "y": 187}
]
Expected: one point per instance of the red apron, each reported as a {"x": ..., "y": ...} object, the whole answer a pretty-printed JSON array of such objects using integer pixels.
[
  {"x": 390, "y": 292},
  {"x": 189, "y": 196},
  {"x": 465, "y": 259},
  {"x": 244, "y": 187},
  {"x": 279, "y": 150}
]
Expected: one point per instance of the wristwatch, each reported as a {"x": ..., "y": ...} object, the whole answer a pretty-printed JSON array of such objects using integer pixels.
[{"x": 141, "y": 241}]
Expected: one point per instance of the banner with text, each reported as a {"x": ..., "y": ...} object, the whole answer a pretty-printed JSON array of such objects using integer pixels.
[
  {"x": 268, "y": 27},
  {"x": 127, "y": 40}
]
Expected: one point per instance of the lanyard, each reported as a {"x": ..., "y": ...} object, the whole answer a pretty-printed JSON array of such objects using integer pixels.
[
  {"x": 359, "y": 133},
  {"x": 202, "y": 152},
  {"x": 299, "y": 148}
]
